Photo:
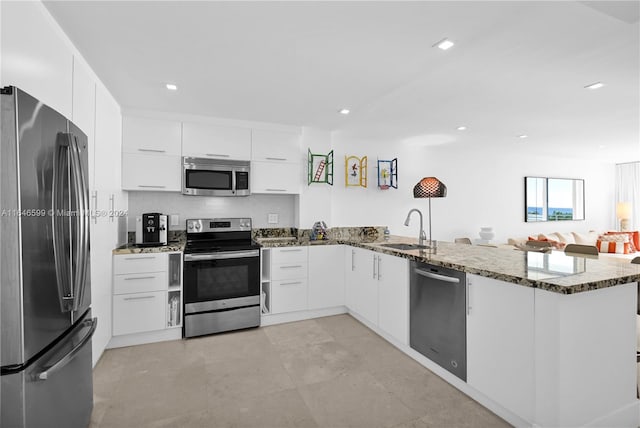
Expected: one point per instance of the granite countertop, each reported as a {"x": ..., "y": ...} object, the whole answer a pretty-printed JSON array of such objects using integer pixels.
[
  {"x": 171, "y": 247},
  {"x": 553, "y": 271}
]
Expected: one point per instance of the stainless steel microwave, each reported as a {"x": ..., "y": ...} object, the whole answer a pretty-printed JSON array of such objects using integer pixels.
[{"x": 215, "y": 177}]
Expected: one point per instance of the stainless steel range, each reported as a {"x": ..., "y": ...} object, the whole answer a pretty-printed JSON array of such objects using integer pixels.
[{"x": 221, "y": 276}]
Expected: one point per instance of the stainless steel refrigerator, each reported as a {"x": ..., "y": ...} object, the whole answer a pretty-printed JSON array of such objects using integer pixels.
[{"x": 46, "y": 323}]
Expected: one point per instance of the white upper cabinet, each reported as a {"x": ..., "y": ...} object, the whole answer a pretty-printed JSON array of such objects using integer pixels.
[
  {"x": 151, "y": 172},
  {"x": 151, "y": 136},
  {"x": 215, "y": 142},
  {"x": 34, "y": 56},
  {"x": 84, "y": 97},
  {"x": 108, "y": 142},
  {"x": 275, "y": 177},
  {"x": 275, "y": 146}
]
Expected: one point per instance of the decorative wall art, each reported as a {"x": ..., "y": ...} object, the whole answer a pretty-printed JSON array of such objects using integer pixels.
[
  {"x": 355, "y": 171},
  {"x": 320, "y": 168},
  {"x": 388, "y": 174}
]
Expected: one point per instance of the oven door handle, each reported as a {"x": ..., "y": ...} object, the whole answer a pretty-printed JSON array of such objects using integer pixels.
[{"x": 222, "y": 255}]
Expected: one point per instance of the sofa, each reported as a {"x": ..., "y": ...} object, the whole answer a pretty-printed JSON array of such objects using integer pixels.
[{"x": 625, "y": 245}]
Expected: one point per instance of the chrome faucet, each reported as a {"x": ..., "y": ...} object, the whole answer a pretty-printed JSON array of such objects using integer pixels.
[{"x": 422, "y": 237}]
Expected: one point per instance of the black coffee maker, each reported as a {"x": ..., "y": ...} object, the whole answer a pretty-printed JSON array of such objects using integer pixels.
[{"x": 151, "y": 229}]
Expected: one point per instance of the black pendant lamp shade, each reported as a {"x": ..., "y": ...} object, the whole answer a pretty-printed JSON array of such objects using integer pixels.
[{"x": 430, "y": 187}]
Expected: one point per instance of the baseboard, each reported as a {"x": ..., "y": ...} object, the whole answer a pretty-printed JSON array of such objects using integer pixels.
[
  {"x": 143, "y": 338},
  {"x": 273, "y": 319}
]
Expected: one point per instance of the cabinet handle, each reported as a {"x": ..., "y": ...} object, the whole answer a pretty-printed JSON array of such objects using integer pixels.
[
  {"x": 140, "y": 258},
  {"x": 151, "y": 187},
  {"x": 291, "y": 283},
  {"x": 468, "y": 296},
  {"x": 276, "y": 190},
  {"x": 94, "y": 214},
  {"x": 293, "y": 250},
  {"x": 217, "y": 155},
  {"x": 374, "y": 267},
  {"x": 139, "y": 277},
  {"x": 379, "y": 276},
  {"x": 152, "y": 150},
  {"x": 112, "y": 207},
  {"x": 353, "y": 256},
  {"x": 291, "y": 267},
  {"x": 140, "y": 298},
  {"x": 277, "y": 159}
]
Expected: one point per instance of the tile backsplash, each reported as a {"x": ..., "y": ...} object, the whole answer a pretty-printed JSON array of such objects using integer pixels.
[{"x": 258, "y": 207}]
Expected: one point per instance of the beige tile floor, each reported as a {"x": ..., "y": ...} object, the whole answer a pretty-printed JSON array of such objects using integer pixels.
[{"x": 325, "y": 372}]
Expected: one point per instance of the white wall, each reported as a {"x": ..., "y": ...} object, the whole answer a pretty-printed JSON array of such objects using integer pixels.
[
  {"x": 315, "y": 200},
  {"x": 484, "y": 188},
  {"x": 255, "y": 206}
]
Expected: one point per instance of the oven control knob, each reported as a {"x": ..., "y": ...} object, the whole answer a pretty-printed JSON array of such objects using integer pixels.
[
  {"x": 197, "y": 226},
  {"x": 190, "y": 226}
]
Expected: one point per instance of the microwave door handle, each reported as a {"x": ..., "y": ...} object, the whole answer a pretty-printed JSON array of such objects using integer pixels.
[
  {"x": 233, "y": 180},
  {"x": 61, "y": 257}
]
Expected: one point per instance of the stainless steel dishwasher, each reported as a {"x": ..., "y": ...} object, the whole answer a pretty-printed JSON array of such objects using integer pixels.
[{"x": 438, "y": 328}]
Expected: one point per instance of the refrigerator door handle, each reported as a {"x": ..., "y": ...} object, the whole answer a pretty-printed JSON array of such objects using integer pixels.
[
  {"x": 82, "y": 238},
  {"x": 44, "y": 375},
  {"x": 60, "y": 215}
]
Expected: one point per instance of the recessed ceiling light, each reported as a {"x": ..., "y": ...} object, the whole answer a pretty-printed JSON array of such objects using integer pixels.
[
  {"x": 596, "y": 85},
  {"x": 444, "y": 44},
  {"x": 461, "y": 128},
  {"x": 172, "y": 87},
  {"x": 523, "y": 136},
  {"x": 344, "y": 111}
]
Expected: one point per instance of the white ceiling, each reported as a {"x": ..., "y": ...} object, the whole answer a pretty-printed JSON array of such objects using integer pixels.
[{"x": 518, "y": 67}]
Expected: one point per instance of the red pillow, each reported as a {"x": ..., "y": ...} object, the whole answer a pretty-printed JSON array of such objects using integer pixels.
[{"x": 634, "y": 245}]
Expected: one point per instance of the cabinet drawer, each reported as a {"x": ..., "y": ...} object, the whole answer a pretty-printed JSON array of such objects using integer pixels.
[
  {"x": 289, "y": 296},
  {"x": 289, "y": 255},
  {"x": 140, "y": 282},
  {"x": 289, "y": 270},
  {"x": 139, "y": 312},
  {"x": 140, "y": 263}
]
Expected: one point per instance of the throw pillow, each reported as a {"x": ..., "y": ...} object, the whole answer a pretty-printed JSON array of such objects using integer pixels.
[
  {"x": 617, "y": 247},
  {"x": 633, "y": 239},
  {"x": 589, "y": 238},
  {"x": 566, "y": 237},
  {"x": 542, "y": 238}
]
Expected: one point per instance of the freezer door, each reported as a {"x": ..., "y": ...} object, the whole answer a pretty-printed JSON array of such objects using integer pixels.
[{"x": 56, "y": 390}]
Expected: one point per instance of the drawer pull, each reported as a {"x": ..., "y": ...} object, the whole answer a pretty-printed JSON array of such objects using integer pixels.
[
  {"x": 290, "y": 267},
  {"x": 152, "y": 150},
  {"x": 139, "y": 277},
  {"x": 290, "y": 283},
  {"x": 276, "y": 190},
  {"x": 140, "y": 258},
  {"x": 140, "y": 298},
  {"x": 291, "y": 251},
  {"x": 151, "y": 187},
  {"x": 216, "y": 155}
]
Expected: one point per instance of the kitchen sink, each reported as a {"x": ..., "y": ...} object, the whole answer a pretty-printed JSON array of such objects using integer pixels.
[{"x": 404, "y": 247}]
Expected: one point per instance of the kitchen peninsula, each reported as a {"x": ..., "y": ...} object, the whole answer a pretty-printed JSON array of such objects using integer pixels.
[{"x": 551, "y": 338}]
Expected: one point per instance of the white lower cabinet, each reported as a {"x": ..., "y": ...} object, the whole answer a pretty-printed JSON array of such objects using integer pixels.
[
  {"x": 500, "y": 343},
  {"x": 361, "y": 287},
  {"x": 289, "y": 295},
  {"x": 326, "y": 276},
  {"x": 393, "y": 297},
  {"x": 147, "y": 293},
  {"x": 138, "y": 312},
  {"x": 288, "y": 275}
]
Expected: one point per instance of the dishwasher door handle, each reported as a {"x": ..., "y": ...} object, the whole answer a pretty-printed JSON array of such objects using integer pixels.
[{"x": 436, "y": 276}]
